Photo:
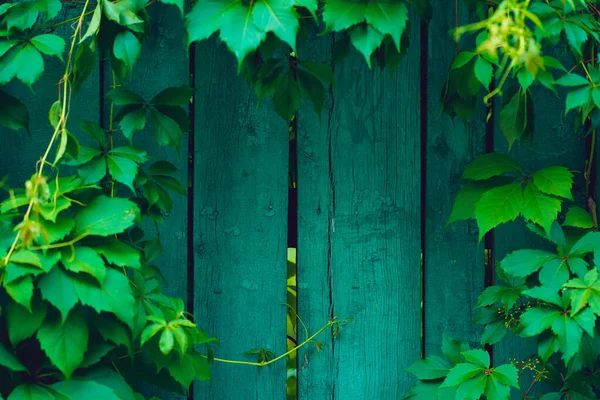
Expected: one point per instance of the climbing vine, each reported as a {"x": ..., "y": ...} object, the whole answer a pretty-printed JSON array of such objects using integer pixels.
[{"x": 81, "y": 299}]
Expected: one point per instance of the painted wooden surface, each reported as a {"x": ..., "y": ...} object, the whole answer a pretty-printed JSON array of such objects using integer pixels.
[
  {"x": 556, "y": 143},
  {"x": 453, "y": 261},
  {"x": 163, "y": 64},
  {"x": 240, "y": 227},
  {"x": 363, "y": 212}
]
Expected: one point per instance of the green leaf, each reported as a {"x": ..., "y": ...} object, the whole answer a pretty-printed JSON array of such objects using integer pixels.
[
  {"x": 572, "y": 80},
  {"x": 114, "y": 296},
  {"x": 123, "y": 13},
  {"x": 506, "y": 374},
  {"x": 508, "y": 296},
  {"x": 287, "y": 97},
  {"x": 65, "y": 344},
  {"x": 119, "y": 254},
  {"x": 489, "y": 165},
  {"x": 462, "y": 59},
  {"x": 462, "y": 372},
  {"x": 535, "y": 320},
  {"x": 477, "y": 357},
  {"x": 127, "y": 48},
  {"x": 495, "y": 390},
  {"x": 112, "y": 330},
  {"x": 106, "y": 216},
  {"x": 21, "y": 291},
  {"x": 96, "y": 352},
  {"x": 521, "y": 263},
  {"x": 166, "y": 342},
  {"x": 540, "y": 208},
  {"x": 94, "y": 131},
  {"x": 28, "y": 64},
  {"x": 472, "y": 389},
  {"x": 166, "y": 131},
  {"x": 311, "y": 5},
  {"x": 13, "y": 113},
  {"x": 340, "y": 15},
  {"x": 205, "y": 18},
  {"x": 493, "y": 333},
  {"x": 589, "y": 243},
  {"x": 433, "y": 367},
  {"x": 149, "y": 332},
  {"x": 174, "y": 96},
  {"x": 9, "y": 360},
  {"x": 389, "y": 18},
  {"x": 58, "y": 288},
  {"x": 94, "y": 25},
  {"x": 366, "y": 39},
  {"x": 94, "y": 170},
  {"x": 556, "y": 181},
  {"x": 279, "y": 17},
  {"x": 554, "y": 273},
  {"x": 122, "y": 97},
  {"x": 453, "y": 349},
  {"x": 321, "y": 71},
  {"x": 130, "y": 152},
  {"x": 576, "y": 36},
  {"x": 237, "y": 30},
  {"x": 132, "y": 122},
  {"x": 192, "y": 365},
  {"x": 29, "y": 391},
  {"x": 483, "y": 72},
  {"x": 514, "y": 117},
  {"x": 463, "y": 207},
  {"x": 548, "y": 294},
  {"x": 569, "y": 335},
  {"x": 578, "y": 98},
  {"x": 497, "y": 206},
  {"x": 21, "y": 323},
  {"x": 49, "y": 44},
  {"x": 85, "y": 389},
  {"x": 123, "y": 170},
  {"x": 85, "y": 62},
  {"x": 84, "y": 259}
]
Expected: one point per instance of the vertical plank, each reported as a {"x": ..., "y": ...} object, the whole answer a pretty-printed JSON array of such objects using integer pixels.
[
  {"x": 240, "y": 222},
  {"x": 20, "y": 152},
  {"x": 453, "y": 260},
  {"x": 316, "y": 372},
  {"x": 555, "y": 143},
  {"x": 358, "y": 200},
  {"x": 163, "y": 63}
]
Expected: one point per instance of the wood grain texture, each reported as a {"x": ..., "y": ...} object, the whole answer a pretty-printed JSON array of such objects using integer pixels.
[
  {"x": 555, "y": 143},
  {"x": 453, "y": 261},
  {"x": 240, "y": 222},
  {"x": 163, "y": 64},
  {"x": 19, "y": 152},
  {"x": 364, "y": 220}
]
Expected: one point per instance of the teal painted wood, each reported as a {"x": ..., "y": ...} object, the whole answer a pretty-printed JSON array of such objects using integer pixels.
[
  {"x": 555, "y": 143},
  {"x": 164, "y": 63},
  {"x": 19, "y": 152},
  {"x": 316, "y": 371},
  {"x": 454, "y": 268},
  {"x": 240, "y": 228},
  {"x": 369, "y": 261}
]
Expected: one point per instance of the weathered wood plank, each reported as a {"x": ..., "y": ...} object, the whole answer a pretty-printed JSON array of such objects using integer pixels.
[
  {"x": 164, "y": 63},
  {"x": 240, "y": 222},
  {"x": 555, "y": 143},
  {"x": 364, "y": 220},
  {"x": 20, "y": 152},
  {"x": 453, "y": 261}
]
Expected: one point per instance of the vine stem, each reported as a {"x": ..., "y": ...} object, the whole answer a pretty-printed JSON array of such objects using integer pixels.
[
  {"x": 60, "y": 126},
  {"x": 265, "y": 363}
]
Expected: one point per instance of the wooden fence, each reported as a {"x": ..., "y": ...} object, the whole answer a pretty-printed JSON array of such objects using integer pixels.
[{"x": 376, "y": 176}]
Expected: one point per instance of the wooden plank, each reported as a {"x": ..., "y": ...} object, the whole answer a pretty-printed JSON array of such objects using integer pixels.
[
  {"x": 453, "y": 261},
  {"x": 163, "y": 64},
  {"x": 240, "y": 222},
  {"x": 363, "y": 219},
  {"x": 555, "y": 143},
  {"x": 20, "y": 152}
]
